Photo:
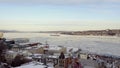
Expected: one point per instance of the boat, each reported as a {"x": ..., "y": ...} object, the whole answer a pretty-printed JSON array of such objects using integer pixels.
[{"x": 54, "y": 35}]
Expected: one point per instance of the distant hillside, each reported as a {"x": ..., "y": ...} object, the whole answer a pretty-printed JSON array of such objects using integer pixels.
[
  {"x": 110, "y": 32},
  {"x": 7, "y": 31}
]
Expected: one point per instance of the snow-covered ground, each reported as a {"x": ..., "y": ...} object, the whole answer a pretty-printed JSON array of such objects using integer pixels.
[{"x": 96, "y": 44}]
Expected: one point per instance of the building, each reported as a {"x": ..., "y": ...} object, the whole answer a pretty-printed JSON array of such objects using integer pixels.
[
  {"x": 54, "y": 49},
  {"x": 35, "y": 50},
  {"x": 10, "y": 55}
]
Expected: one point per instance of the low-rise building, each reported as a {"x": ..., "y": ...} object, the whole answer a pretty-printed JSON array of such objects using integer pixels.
[
  {"x": 10, "y": 55},
  {"x": 54, "y": 49},
  {"x": 34, "y": 50}
]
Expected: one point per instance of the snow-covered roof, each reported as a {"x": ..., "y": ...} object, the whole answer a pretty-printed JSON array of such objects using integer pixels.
[
  {"x": 28, "y": 57},
  {"x": 53, "y": 48},
  {"x": 33, "y": 65},
  {"x": 11, "y": 52},
  {"x": 24, "y": 43},
  {"x": 72, "y": 49},
  {"x": 28, "y": 48},
  {"x": 36, "y": 55},
  {"x": 33, "y": 47},
  {"x": 88, "y": 67},
  {"x": 52, "y": 56}
]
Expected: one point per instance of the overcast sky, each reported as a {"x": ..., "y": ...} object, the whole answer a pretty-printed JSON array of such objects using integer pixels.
[{"x": 47, "y": 15}]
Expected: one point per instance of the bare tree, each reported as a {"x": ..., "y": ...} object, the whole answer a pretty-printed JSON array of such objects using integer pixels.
[
  {"x": 19, "y": 60},
  {"x": 3, "y": 48}
]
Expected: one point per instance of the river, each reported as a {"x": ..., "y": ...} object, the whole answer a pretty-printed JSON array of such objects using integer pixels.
[{"x": 96, "y": 44}]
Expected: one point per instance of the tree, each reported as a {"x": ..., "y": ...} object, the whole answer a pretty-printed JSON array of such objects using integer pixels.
[
  {"x": 19, "y": 60},
  {"x": 3, "y": 48}
]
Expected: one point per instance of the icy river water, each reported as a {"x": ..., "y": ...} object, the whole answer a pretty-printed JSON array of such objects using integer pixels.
[{"x": 96, "y": 44}]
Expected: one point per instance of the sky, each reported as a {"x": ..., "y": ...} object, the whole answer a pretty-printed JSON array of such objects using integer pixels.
[{"x": 59, "y": 15}]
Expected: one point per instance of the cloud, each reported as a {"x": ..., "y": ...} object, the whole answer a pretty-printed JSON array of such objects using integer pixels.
[{"x": 57, "y": 2}]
